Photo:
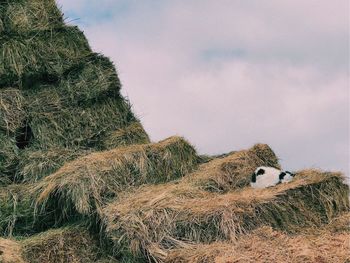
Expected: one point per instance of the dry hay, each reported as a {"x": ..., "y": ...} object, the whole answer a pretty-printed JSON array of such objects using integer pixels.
[
  {"x": 8, "y": 158},
  {"x": 132, "y": 134},
  {"x": 84, "y": 185},
  {"x": 90, "y": 80},
  {"x": 10, "y": 252},
  {"x": 40, "y": 54},
  {"x": 71, "y": 244},
  {"x": 27, "y": 15},
  {"x": 330, "y": 243},
  {"x": 158, "y": 218},
  {"x": 12, "y": 113},
  {"x": 35, "y": 165},
  {"x": 16, "y": 210},
  {"x": 76, "y": 127},
  {"x": 233, "y": 170}
]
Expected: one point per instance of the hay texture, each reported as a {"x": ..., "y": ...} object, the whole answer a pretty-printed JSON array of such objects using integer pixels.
[
  {"x": 21, "y": 16},
  {"x": 73, "y": 244},
  {"x": 84, "y": 185},
  {"x": 16, "y": 210},
  {"x": 156, "y": 219},
  {"x": 69, "y": 244},
  {"x": 58, "y": 99},
  {"x": 12, "y": 113},
  {"x": 38, "y": 55},
  {"x": 330, "y": 244},
  {"x": 8, "y": 158},
  {"x": 10, "y": 252},
  {"x": 35, "y": 165}
]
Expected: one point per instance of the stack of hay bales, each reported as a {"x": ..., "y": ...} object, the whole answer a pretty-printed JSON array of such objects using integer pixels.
[
  {"x": 331, "y": 244},
  {"x": 159, "y": 219},
  {"x": 67, "y": 244},
  {"x": 58, "y": 99},
  {"x": 81, "y": 182}
]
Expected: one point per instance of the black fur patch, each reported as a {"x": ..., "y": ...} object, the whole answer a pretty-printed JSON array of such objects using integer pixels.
[
  {"x": 260, "y": 172},
  {"x": 282, "y": 175},
  {"x": 253, "y": 178},
  {"x": 291, "y": 174}
]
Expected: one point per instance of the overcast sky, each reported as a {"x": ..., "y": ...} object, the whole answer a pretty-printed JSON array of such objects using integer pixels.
[{"x": 227, "y": 74}]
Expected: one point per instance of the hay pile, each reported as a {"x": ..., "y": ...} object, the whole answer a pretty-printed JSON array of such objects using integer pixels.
[
  {"x": 331, "y": 244},
  {"x": 156, "y": 219},
  {"x": 10, "y": 252},
  {"x": 56, "y": 95},
  {"x": 69, "y": 244},
  {"x": 80, "y": 180},
  {"x": 84, "y": 185}
]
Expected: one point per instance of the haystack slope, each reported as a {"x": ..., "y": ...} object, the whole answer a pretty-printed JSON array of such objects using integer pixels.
[
  {"x": 158, "y": 218},
  {"x": 84, "y": 185},
  {"x": 78, "y": 172},
  {"x": 56, "y": 94},
  {"x": 329, "y": 244},
  {"x": 73, "y": 244}
]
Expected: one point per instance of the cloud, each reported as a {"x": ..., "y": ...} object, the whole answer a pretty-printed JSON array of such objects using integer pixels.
[{"x": 226, "y": 74}]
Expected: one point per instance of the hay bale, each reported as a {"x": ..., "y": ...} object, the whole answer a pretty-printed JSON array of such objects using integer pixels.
[
  {"x": 76, "y": 127},
  {"x": 35, "y": 165},
  {"x": 10, "y": 252},
  {"x": 89, "y": 81},
  {"x": 38, "y": 55},
  {"x": 157, "y": 218},
  {"x": 268, "y": 245},
  {"x": 16, "y": 210},
  {"x": 132, "y": 134},
  {"x": 12, "y": 113},
  {"x": 233, "y": 170},
  {"x": 69, "y": 244},
  {"x": 23, "y": 15},
  {"x": 85, "y": 184},
  {"x": 8, "y": 158}
]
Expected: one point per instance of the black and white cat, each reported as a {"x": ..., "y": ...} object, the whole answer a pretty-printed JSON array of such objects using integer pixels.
[{"x": 268, "y": 176}]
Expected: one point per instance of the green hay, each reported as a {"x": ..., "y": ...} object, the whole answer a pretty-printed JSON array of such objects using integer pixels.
[
  {"x": 16, "y": 210},
  {"x": 8, "y": 158},
  {"x": 89, "y": 81},
  {"x": 132, "y": 134},
  {"x": 12, "y": 114},
  {"x": 35, "y": 165},
  {"x": 56, "y": 126},
  {"x": 40, "y": 55},
  {"x": 156, "y": 219},
  {"x": 84, "y": 185},
  {"x": 27, "y": 15}
]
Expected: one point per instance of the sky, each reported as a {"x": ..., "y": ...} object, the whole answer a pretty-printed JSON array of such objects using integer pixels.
[{"x": 227, "y": 74}]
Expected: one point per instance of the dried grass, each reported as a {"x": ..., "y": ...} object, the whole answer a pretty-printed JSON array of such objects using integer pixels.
[
  {"x": 38, "y": 54},
  {"x": 331, "y": 243},
  {"x": 158, "y": 218},
  {"x": 16, "y": 210},
  {"x": 23, "y": 15},
  {"x": 84, "y": 185},
  {"x": 35, "y": 165},
  {"x": 71, "y": 244},
  {"x": 10, "y": 252},
  {"x": 12, "y": 113},
  {"x": 132, "y": 134},
  {"x": 8, "y": 158}
]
